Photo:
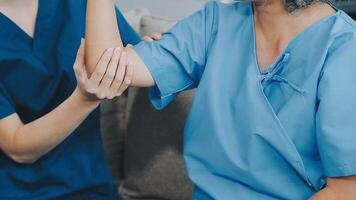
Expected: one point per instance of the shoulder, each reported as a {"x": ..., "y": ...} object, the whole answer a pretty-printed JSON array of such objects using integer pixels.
[
  {"x": 343, "y": 33},
  {"x": 227, "y": 16},
  {"x": 342, "y": 38},
  {"x": 225, "y": 9},
  {"x": 341, "y": 53}
]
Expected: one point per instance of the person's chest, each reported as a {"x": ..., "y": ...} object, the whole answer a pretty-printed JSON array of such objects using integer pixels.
[
  {"x": 248, "y": 119},
  {"x": 37, "y": 72},
  {"x": 233, "y": 96},
  {"x": 23, "y": 15}
]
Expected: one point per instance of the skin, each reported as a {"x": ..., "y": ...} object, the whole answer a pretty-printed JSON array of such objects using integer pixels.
[
  {"x": 26, "y": 143},
  {"x": 101, "y": 32},
  {"x": 22, "y": 13},
  {"x": 275, "y": 28}
]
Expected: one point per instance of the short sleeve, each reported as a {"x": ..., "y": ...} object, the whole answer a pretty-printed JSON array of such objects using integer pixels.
[
  {"x": 6, "y": 107},
  {"x": 336, "y": 114},
  {"x": 128, "y": 34},
  {"x": 178, "y": 60}
]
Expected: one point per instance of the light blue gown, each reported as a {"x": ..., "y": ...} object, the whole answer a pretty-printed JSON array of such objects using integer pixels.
[{"x": 256, "y": 135}]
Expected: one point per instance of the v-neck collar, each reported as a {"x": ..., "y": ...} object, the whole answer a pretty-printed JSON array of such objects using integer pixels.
[
  {"x": 10, "y": 30},
  {"x": 290, "y": 45}
]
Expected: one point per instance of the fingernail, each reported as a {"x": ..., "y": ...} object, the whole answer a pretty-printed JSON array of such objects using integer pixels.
[{"x": 110, "y": 49}]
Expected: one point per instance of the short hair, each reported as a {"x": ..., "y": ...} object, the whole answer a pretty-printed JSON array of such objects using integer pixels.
[{"x": 292, "y": 5}]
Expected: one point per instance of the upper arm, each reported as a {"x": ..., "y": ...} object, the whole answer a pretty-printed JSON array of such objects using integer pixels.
[
  {"x": 177, "y": 61},
  {"x": 142, "y": 76},
  {"x": 336, "y": 114}
]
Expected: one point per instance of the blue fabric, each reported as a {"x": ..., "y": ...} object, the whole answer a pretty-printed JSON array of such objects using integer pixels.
[
  {"x": 36, "y": 76},
  {"x": 275, "y": 134}
]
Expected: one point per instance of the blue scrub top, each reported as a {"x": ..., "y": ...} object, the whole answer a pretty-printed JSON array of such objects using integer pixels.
[
  {"x": 275, "y": 134},
  {"x": 36, "y": 75}
]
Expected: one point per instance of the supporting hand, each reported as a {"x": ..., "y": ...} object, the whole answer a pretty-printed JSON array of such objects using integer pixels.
[{"x": 110, "y": 78}]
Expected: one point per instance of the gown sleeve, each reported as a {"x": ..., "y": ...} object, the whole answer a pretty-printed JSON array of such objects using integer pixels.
[
  {"x": 6, "y": 107},
  {"x": 177, "y": 62},
  {"x": 336, "y": 114}
]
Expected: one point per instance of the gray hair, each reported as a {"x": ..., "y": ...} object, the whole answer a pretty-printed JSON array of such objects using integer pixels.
[{"x": 292, "y": 5}]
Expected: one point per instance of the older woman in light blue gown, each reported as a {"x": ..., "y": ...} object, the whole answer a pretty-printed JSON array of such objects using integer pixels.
[{"x": 274, "y": 115}]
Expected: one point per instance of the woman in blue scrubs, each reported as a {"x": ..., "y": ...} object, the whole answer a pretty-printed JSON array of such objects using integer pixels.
[
  {"x": 275, "y": 107},
  {"x": 49, "y": 125}
]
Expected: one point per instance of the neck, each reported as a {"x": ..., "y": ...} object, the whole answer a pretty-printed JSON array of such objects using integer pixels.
[
  {"x": 270, "y": 14},
  {"x": 17, "y": 3},
  {"x": 276, "y": 24},
  {"x": 22, "y": 12}
]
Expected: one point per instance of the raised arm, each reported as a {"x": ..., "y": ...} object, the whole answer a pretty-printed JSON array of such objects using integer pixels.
[{"x": 102, "y": 32}]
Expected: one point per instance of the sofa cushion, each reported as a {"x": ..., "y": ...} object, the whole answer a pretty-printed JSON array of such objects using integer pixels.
[
  {"x": 113, "y": 129},
  {"x": 154, "y": 166}
]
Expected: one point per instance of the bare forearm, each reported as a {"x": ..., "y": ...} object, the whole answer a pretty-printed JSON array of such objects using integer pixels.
[
  {"x": 102, "y": 30},
  {"x": 33, "y": 140}
]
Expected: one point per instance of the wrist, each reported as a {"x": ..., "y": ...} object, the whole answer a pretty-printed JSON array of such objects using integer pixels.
[{"x": 83, "y": 100}]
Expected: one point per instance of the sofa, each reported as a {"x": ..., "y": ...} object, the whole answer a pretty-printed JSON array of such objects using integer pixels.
[{"x": 144, "y": 146}]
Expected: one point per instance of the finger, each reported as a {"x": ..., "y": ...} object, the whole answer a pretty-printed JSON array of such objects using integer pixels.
[
  {"x": 111, "y": 71},
  {"x": 129, "y": 46},
  {"x": 157, "y": 36},
  {"x": 120, "y": 73},
  {"x": 128, "y": 79},
  {"x": 101, "y": 67},
  {"x": 147, "y": 39}
]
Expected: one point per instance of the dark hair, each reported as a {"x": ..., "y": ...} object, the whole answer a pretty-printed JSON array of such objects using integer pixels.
[{"x": 293, "y": 5}]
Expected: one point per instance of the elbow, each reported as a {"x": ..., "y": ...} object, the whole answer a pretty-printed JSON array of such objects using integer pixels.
[
  {"x": 20, "y": 153},
  {"x": 19, "y": 150},
  {"x": 22, "y": 158}
]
